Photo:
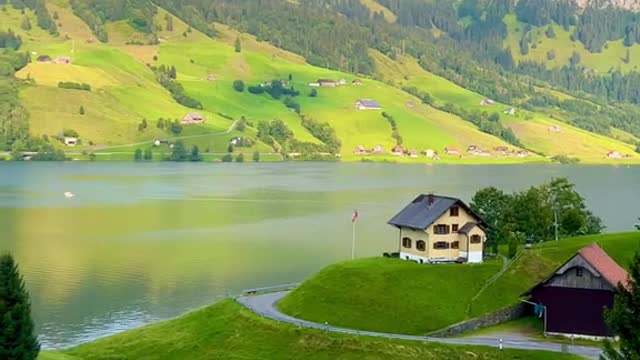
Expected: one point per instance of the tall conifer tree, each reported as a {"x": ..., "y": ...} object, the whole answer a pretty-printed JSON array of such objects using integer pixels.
[{"x": 17, "y": 338}]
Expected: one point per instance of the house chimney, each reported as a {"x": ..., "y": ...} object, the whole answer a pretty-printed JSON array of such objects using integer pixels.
[{"x": 430, "y": 199}]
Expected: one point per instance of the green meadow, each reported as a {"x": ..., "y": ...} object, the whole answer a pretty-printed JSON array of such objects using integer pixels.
[
  {"x": 364, "y": 294},
  {"x": 227, "y": 330}
]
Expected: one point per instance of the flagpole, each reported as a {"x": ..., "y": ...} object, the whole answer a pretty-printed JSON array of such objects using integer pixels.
[{"x": 353, "y": 241}]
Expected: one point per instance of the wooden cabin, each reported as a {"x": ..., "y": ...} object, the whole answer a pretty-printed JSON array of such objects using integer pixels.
[{"x": 575, "y": 295}]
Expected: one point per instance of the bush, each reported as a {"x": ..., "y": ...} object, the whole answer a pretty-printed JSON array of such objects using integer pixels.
[
  {"x": 238, "y": 85},
  {"x": 227, "y": 158},
  {"x": 313, "y": 93},
  {"x": 74, "y": 85},
  {"x": 240, "y": 158},
  {"x": 256, "y": 90},
  {"x": 256, "y": 156},
  {"x": 241, "y": 125}
]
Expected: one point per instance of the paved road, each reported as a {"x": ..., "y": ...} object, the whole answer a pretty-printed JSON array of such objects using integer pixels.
[{"x": 264, "y": 305}]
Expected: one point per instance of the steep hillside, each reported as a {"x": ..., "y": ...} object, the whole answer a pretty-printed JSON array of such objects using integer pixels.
[
  {"x": 229, "y": 76},
  {"x": 532, "y": 128},
  {"x": 124, "y": 91}
]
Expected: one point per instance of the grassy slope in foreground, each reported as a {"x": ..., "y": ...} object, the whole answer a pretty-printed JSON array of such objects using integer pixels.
[
  {"x": 226, "y": 330},
  {"x": 389, "y": 295},
  {"x": 536, "y": 264}
]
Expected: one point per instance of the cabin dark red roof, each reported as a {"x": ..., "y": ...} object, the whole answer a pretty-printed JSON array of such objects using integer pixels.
[{"x": 605, "y": 265}]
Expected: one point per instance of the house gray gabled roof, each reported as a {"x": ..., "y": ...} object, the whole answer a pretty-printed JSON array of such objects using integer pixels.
[
  {"x": 370, "y": 103},
  {"x": 419, "y": 214}
]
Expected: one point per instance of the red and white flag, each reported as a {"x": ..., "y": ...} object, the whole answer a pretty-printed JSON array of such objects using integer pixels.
[{"x": 355, "y": 216}]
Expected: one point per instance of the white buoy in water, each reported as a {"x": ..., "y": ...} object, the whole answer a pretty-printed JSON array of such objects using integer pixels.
[{"x": 68, "y": 195}]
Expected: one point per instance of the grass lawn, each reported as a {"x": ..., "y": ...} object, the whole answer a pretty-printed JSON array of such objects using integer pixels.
[
  {"x": 388, "y": 295},
  {"x": 539, "y": 262},
  {"x": 226, "y": 330},
  {"x": 370, "y": 294}
]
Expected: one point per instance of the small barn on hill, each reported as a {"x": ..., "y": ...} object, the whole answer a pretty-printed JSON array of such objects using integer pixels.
[
  {"x": 192, "y": 118},
  {"x": 44, "y": 59},
  {"x": 574, "y": 296},
  {"x": 367, "y": 104}
]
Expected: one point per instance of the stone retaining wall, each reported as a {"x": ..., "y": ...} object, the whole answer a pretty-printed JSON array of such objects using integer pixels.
[{"x": 498, "y": 317}]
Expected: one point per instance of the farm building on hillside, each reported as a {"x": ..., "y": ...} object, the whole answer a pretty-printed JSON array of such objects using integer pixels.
[
  {"x": 378, "y": 149},
  {"x": 555, "y": 129},
  {"x": 211, "y": 77},
  {"x": 70, "y": 141},
  {"x": 574, "y": 296},
  {"x": 44, "y": 59},
  {"x": 356, "y": 82},
  {"x": 429, "y": 153},
  {"x": 63, "y": 60},
  {"x": 440, "y": 229},
  {"x": 367, "y": 104},
  {"x": 360, "y": 150},
  {"x": 451, "y": 151},
  {"x": 614, "y": 155},
  {"x": 327, "y": 83},
  {"x": 413, "y": 153},
  {"x": 192, "y": 118},
  {"x": 397, "y": 150},
  {"x": 511, "y": 111},
  {"x": 486, "y": 102}
]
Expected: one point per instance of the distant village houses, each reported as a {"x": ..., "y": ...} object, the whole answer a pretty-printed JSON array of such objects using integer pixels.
[
  {"x": 327, "y": 83},
  {"x": 486, "y": 102},
  {"x": 378, "y": 149},
  {"x": 63, "y": 60},
  {"x": 440, "y": 229},
  {"x": 413, "y": 153},
  {"x": 397, "y": 150},
  {"x": 451, "y": 151},
  {"x": 360, "y": 150},
  {"x": 367, "y": 104},
  {"x": 510, "y": 111},
  {"x": 192, "y": 118}
]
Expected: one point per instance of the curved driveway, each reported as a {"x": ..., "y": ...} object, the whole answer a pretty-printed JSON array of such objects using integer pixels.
[{"x": 264, "y": 305}]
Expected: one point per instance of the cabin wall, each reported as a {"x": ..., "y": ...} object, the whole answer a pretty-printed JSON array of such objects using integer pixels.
[
  {"x": 413, "y": 253},
  {"x": 570, "y": 279},
  {"x": 574, "y": 311}
]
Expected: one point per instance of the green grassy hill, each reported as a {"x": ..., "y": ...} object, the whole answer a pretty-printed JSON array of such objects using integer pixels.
[
  {"x": 532, "y": 128},
  {"x": 612, "y": 56},
  {"x": 390, "y": 295},
  {"x": 226, "y": 330},
  {"x": 125, "y": 91}
]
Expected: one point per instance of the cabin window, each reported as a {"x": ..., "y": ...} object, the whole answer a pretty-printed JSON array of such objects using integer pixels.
[
  {"x": 455, "y": 245},
  {"x": 441, "y": 245},
  {"x": 441, "y": 229},
  {"x": 454, "y": 228},
  {"x": 476, "y": 239},
  {"x": 454, "y": 211},
  {"x": 406, "y": 242},
  {"x": 579, "y": 272},
  {"x": 421, "y": 245}
]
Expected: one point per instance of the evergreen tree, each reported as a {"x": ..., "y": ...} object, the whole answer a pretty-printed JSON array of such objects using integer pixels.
[
  {"x": 137, "y": 156},
  {"x": 624, "y": 317},
  {"x": 195, "y": 154},
  {"x": 227, "y": 158},
  {"x": 81, "y": 110},
  {"x": 238, "y": 45},
  {"x": 256, "y": 158},
  {"x": 240, "y": 158},
  {"x": 17, "y": 339},
  {"x": 148, "y": 155},
  {"x": 550, "y": 33},
  {"x": 173, "y": 74},
  {"x": 169, "y": 20},
  {"x": 26, "y": 24},
  {"x": 230, "y": 148}
]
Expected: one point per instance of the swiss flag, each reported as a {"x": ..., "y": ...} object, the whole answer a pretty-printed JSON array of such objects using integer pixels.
[{"x": 355, "y": 216}]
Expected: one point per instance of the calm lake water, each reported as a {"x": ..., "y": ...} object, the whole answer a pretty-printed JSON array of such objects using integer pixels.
[{"x": 143, "y": 242}]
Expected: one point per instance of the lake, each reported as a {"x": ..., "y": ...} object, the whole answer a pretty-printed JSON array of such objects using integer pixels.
[{"x": 144, "y": 242}]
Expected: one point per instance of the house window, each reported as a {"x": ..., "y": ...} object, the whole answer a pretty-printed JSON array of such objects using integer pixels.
[
  {"x": 476, "y": 239},
  {"x": 455, "y": 245},
  {"x": 454, "y": 211},
  {"x": 579, "y": 272},
  {"x": 454, "y": 228},
  {"x": 441, "y": 245},
  {"x": 421, "y": 245},
  {"x": 406, "y": 242},
  {"x": 441, "y": 229}
]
